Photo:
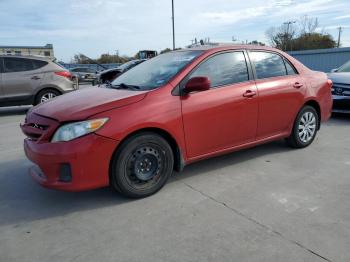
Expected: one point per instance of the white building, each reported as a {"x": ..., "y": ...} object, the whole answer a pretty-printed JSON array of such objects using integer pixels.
[{"x": 46, "y": 50}]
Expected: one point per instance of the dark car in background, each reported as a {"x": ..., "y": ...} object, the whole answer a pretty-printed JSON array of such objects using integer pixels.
[
  {"x": 31, "y": 80},
  {"x": 341, "y": 88},
  {"x": 84, "y": 74},
  {"x": 107, "y": 76}
]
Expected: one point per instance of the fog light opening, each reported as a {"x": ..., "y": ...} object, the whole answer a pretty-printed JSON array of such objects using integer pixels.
[{"x": 65, "y": 173}]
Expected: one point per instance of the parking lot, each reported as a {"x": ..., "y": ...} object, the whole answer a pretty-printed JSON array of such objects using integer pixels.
[{"x": 269, "y": 203}]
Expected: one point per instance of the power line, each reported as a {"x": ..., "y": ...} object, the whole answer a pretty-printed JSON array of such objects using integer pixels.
[
  {"x": 288, "y": 23},
  {"x": 172, "y": 17}
]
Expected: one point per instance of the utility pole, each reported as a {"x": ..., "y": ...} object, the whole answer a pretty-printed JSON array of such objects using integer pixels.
[
  {"x": 339, "y": 34},
  {"x": 288, "y": 23},
  {"x": 172, "y": 17}
]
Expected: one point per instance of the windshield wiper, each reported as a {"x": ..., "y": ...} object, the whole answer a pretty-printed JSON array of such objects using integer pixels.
[{"x": 125, "y": 86}]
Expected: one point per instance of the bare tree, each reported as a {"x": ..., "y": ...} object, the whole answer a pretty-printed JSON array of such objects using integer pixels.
[
  {"x": 308, "y": 25},
  {"x": 282, "y": 36}
]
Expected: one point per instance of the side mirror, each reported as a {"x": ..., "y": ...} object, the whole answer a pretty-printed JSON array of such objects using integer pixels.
[
  {"x": 334, "y": 70},
  {"x": 197, "y": 84}
]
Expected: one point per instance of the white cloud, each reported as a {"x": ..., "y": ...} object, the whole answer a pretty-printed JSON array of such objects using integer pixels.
[
  {"x": 97, "y": 26},
  {"x": 341, "y": 17}
]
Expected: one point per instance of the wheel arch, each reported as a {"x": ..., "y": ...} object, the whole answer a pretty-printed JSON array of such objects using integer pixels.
[
  {"x": 37, "y": 92},
  {"x": 313, "y": 103},
  {"x": 179, "y": 161}
]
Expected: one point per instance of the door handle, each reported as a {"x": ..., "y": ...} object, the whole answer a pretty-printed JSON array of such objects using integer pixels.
[
  {"x": 35, "y": 77},
  {"x": 249, "y": 93},
  {"x": 297, "y": 85}
]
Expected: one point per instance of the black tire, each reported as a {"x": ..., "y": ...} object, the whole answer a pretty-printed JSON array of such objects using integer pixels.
[
  {"x": 46, "y": 92},
  {"x": 142, "y": 165},
  {"x": 296, "y": 138}
]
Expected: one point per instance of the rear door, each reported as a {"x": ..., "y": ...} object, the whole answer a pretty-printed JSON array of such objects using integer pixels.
[
  {"x": 281, "y": 92},
  {"x": 225, "y": 115},
  {"x": 21, "y": 77}
]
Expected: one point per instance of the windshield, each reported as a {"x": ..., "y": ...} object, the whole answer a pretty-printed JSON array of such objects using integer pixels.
[
  {"x": 345, "y": 67},
  {"x": 156, "y": 71}
]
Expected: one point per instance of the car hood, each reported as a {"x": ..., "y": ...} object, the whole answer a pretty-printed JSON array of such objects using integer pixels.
[
  {"x": 81, "y": 104},
  {"x": 340, "y": 78}
]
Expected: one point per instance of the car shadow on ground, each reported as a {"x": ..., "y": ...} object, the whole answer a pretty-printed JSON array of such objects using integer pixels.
[
  {"x": 339, "y": 118},
  {"x": 23, "y": 200},
  {"x": 14, "y": 110}
]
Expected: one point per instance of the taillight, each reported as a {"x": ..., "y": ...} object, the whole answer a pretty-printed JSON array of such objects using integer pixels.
[{"x": 65, "y": 74}]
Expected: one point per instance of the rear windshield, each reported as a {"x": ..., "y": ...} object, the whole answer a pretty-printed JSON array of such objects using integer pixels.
[{"x": 157, "y": 71}]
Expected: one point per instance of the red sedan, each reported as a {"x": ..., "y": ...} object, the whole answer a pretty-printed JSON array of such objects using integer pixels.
[{"x": 170, "y": 111}]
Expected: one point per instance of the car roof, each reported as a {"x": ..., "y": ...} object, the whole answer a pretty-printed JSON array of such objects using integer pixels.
[{"x": 222, "y": 47}]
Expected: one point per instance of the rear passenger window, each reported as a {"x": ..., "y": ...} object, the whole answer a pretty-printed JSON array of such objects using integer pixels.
[
  {"x": 17, "y": 65},
  {"x": 224, "y": 69},
  {"x": 39, "y": 63},
  {"x": 267, "y": 64},
  {"x": 290, "y": 68}
]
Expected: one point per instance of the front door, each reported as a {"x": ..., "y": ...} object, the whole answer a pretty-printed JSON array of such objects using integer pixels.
[{"x": 225, "y": 115}]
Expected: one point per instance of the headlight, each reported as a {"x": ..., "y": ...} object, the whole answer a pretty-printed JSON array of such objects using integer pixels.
[{"x": 73, "y": 130}]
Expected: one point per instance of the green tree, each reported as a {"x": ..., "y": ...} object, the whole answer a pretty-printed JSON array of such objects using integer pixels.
[
  {"x": 165, "y": 50},
  {"x": 256, "y": 42},
  {"x": 81, "y": 59},
  {"x": 313, "y": 41},
  {"x": 107, "y": 58},
  {"x": 303, "y": 36}
]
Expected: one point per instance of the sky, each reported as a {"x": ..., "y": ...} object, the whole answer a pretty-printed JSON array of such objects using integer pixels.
[{"x": 93, "y": 27}]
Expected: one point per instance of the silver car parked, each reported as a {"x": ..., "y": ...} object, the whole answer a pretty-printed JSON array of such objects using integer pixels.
[{"x": 30, "y": 80}]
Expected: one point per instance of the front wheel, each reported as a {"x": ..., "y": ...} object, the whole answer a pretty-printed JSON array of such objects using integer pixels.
[
  {"x": 305, "y": 128},
  {"x": 45, "y": 95},
  {"x": 142, "y": 165}
]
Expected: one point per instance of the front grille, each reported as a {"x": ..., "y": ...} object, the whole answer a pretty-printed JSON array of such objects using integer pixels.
[
  {"x": 38, "y": 128},
  {"x": 341, "y": 89}
]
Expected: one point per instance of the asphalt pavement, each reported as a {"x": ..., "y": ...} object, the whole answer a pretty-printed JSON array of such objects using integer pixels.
[{"x": 268, "y": 203}]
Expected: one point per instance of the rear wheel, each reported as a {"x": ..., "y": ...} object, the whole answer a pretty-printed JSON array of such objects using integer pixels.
[
  {"x": 305, "y": 128},
  {"x": 45, "y": 95},
  {"x": 142, "y": 165}
]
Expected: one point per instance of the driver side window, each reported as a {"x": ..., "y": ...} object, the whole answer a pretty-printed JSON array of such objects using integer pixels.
[{"x": 223, "y": 69}]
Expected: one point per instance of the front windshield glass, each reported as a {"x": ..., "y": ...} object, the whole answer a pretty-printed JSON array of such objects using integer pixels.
[
  {"x": 344, "y": 68},
  {"x": 157, "y": 71}
]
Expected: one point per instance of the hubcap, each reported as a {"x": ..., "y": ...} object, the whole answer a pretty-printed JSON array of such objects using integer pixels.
[
  {"x": 47, "y": 96},
  {"x": 144, "y": 167},
  {"x": 307, "y": 127}
]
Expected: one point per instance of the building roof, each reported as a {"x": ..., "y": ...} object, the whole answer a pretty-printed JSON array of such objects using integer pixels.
[
  {"x": 48, "y": 46},
  {"x": 320, "y": 51}
]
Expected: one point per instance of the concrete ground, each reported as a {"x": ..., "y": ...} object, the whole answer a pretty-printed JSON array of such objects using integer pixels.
[{"x": 269, "y": 203}]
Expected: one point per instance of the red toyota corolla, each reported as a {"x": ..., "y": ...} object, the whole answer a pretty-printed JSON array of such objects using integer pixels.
[{"x": 172, "y": 110}]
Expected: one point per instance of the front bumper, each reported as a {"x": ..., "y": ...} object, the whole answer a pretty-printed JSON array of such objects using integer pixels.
[
  {"x": 88, "y": 158},
  {"x": 341, "y": 104}
]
